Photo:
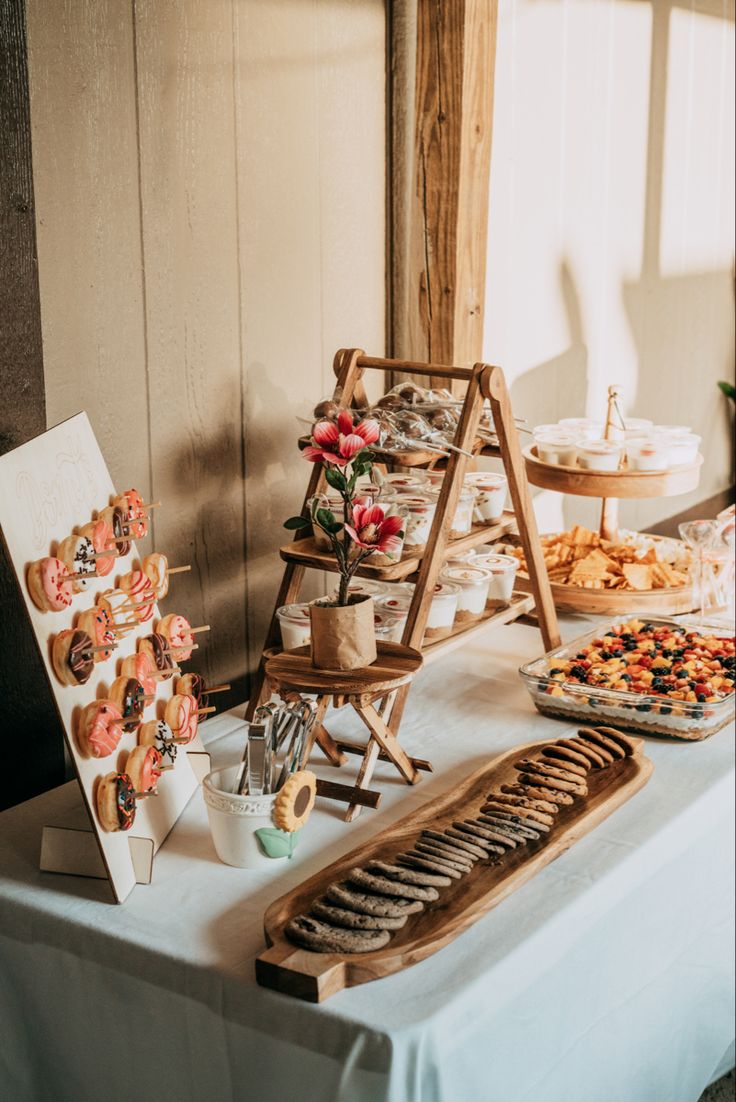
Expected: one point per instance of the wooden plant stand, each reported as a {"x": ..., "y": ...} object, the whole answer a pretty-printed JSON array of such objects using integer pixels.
[
  {"x": 293, "y": 672},
  {"x": 483, "y": 381}
]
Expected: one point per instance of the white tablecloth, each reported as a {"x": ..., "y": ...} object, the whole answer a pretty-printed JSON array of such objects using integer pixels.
[{"x": 607, "y": 978}]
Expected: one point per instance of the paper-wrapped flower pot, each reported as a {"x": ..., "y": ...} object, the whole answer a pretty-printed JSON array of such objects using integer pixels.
[
  {"x": 246, "y": 833},
  {"x": 343, "y": 638}
]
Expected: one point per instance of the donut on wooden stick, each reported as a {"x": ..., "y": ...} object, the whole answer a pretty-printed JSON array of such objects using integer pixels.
[
  {"x": 128, "y": 695},
  {"x": 116, "y": 802},
  {"x": 50, "y": 584},
  {"x": 180, "y": 635},
  {"x": 99, "y": 729},
  {"x": 156, "y": 567},
  {"x": 144, "y": 767},
  {"x": 72, "y": 656},
  {"x": 157, "y": 646},
  {"x": 182, "y": 715},
  {"x": 114, "y": 516},
  {"x": 141, "y": 595},
  {"x": 101, "y": 536},
  {"x": 192, "y": 684},
  {"x": 99, "y": 625},
  {"x": 158, "y": 733},
  {"x": 78, "y": 553}
]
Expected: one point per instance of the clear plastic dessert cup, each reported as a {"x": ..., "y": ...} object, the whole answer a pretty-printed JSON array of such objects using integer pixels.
[
  {"x": 490, "y": 496},
  {"x": 503, "y": 570},
  {"x": 366, "y": 587},
  {"x": 600, "y": 455},
  {"x": 585, "y": 428},
  {"x": 462, "y": 522},
  {"x": 442, "y": 611},
  {"x": 334, "y": 503},
  {"x": 435, "y": 478},
  {"x": 683, "y": 449},
  {"x": 404, "y": 482},
  {"x": 473, "y": 583},
  {"x": 558, "y": 448},
  {"x": 294, "y": 624},
  {"x": 649, "y": 453},
  {"x": 389, "y": 628},
  {"x": 420, "y": 510}
]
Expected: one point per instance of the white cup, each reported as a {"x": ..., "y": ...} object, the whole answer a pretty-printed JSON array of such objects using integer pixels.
[{"x": 234, "y": 820}]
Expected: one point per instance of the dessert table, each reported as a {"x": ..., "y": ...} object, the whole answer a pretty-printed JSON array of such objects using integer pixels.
[{"x": 608, "y": 976}]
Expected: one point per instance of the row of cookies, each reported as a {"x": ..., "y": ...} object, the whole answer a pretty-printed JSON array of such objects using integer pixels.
[{"x": 360, "y": 913}]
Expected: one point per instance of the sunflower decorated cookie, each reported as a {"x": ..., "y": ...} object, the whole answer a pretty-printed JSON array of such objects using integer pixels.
[{"x": 295, "y": 801}]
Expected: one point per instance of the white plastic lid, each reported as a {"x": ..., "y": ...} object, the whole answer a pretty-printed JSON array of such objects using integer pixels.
[
  {"x": 498, "y": 564},
  {"x": 672, "y": 430},
  {"x": 298, "y": 613},
  {"x": 631, "y": 423},
  {"x": 396, "y": 605},
  {"x": 481, "y": 478},
  {"x": 601, "y": 447},
  {"x": 465, "y": 576}
]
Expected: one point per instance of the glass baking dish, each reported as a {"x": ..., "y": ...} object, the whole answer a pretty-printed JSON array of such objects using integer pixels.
[{"x": 648, "y": 715}]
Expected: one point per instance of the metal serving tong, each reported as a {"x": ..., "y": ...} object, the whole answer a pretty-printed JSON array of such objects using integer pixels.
[{"x": 275, "y": 746}]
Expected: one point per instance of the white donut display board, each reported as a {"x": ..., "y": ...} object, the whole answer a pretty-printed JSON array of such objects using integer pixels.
[{"x": 49, "y": 487}]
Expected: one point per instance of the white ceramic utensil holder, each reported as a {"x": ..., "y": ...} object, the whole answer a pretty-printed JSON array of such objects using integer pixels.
[{"x": 234, "y": 820}]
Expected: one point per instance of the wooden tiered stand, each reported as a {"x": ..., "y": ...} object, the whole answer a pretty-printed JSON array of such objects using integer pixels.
[{"x": 483, "y": 381}]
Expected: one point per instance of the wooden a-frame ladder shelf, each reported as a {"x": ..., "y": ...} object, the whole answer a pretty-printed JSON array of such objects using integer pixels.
[{"x": 483, "y": 381}]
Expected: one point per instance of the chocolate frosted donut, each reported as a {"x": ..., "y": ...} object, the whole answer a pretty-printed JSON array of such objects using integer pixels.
[
  {"x": 118, "y": 521},
  {"x": 158, "y": 648},
  {"x": 127, "y": 693},
  {"x": 72, "y": 657},
  {"x": 116, "y": 802}
]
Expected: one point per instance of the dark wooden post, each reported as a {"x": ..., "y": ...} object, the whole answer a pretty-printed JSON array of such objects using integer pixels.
[{"x": 32, "y": 739}]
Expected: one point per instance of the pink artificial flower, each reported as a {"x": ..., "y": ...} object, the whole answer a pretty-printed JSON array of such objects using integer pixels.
[
  {"x": 372, "y": 529},
  {"x": 339, "y": 441}
]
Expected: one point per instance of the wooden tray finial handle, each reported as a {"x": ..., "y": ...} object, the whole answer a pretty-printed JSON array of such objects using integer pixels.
[{"x": 309, "y": 976}]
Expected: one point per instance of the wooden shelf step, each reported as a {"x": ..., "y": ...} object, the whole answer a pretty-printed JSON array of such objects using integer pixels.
[{"x": 305, "y": 552}]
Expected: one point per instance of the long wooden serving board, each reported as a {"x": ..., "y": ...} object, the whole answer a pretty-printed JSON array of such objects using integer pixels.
[{"x": 315, "y": 976}]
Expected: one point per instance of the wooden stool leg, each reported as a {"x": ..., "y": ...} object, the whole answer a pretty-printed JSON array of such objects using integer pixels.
[
  {"x": 387, "y": 742},
  {"x": 365, "y": 773},
  {"x": 322, "y": 736}
]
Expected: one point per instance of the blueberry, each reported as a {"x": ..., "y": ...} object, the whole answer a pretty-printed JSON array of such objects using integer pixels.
[
  {"x": 666, "y": 653},
  {"x": 643, "y": 707},
  {"x": 697, "y": 713},
  {"x": 665, "y": 709},
  {"x": 605, "y": 655},
  {"x": 631, "y": 645},
  {"x": 553, "y": 672},
  {"x": 626, "y": 677},
  {"x": 610, "y": 635}
]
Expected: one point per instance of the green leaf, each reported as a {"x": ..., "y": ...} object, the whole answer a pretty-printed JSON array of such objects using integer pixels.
[
  {"x": 325, "y": 519},
  {"x": 295, "y": 523},
  {"x": 335, "y": 478},
  {"x": 275, "y": 842},
  {"x": 728, "y": 389},
  {"x": 333, "y": 529}
]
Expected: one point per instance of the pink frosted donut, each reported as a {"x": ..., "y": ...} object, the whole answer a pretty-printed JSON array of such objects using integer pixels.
[
  {"x": 132, "y": 504},
  {"x": 138, "y": 586},
  {"x": 144, "y": 768},
  {"x": 50, "y": 585},
  {"x": 181, "y": 716},
  {"x": 98, "y": 735},
  {"x": 100, "y": 534},
  {"x": 142, "y": 667},
  {"x": 177, "y": 630},
  {"x": 98, "y": 624},
  {"x": 78, "y": 554},
  {"x": 114, "y": 601}
]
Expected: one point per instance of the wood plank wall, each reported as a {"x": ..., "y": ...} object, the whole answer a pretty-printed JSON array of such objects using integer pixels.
[{"x": 210, "y": 196}]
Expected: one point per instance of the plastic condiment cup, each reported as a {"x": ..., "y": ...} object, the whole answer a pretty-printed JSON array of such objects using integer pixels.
[
  {"x": 649, "y": 453},
  {"x": 490, "y": 495},
  {"x": 672, "y": 430},
  {"x": 559, "y": 448},
  {"x": 585, "y": 428},
  {"x": 638, "y": 424},
  {"x": 442, "y": 610},
  {"x": 474, "y": 583},
  {"x": 503, "y": 570},
  {"x": 682, "y": 449},
  {"x": 600, "y": 455},
  {"x": 420, "y": 510},
  {"x": 294, "y": 624}
]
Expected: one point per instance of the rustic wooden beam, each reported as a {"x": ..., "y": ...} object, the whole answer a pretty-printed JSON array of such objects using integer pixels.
[
  {"x": 441, "y": 218},
  {"x": 33, "y": 749}
]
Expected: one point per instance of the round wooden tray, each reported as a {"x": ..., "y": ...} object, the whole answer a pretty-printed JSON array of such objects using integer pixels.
[
  {"x": 670, "y": 601},
  {"x": 616, "y": 484}
]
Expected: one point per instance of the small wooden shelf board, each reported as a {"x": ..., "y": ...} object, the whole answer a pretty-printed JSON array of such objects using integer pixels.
[
  {"x": 315, "y": 976},
  {"x": 48, "y": 487},
  {"x": 614, "y": 484},
  {"x": 306, "y": 553}
]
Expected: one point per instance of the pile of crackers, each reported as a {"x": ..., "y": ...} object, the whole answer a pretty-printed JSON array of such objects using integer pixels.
[{"x": 582, "y": 558}]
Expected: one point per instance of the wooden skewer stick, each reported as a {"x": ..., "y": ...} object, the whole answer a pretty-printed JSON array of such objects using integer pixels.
[
  {"x": 123, "y": 720},
  {"x": 164, "y": 768},
  {"x": 104, "y": 555},
  {"x": 149, "y": 697},
  {"x": 151, "y": 505},
  {"x": 86, "y": 574},
  {"x": 145, "y": 795},
  {"x": 217, "y": 689},
  {"x": 99, "y": 650},
  {"x": 205, "y": 711},
  {"x": 177, "y": 650},
  {"x": 179, "y": 569},
  {"x": 119, "y": 539},
  {"x": 203, "y": 627},
  {"x": 180, "y": 741}
]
